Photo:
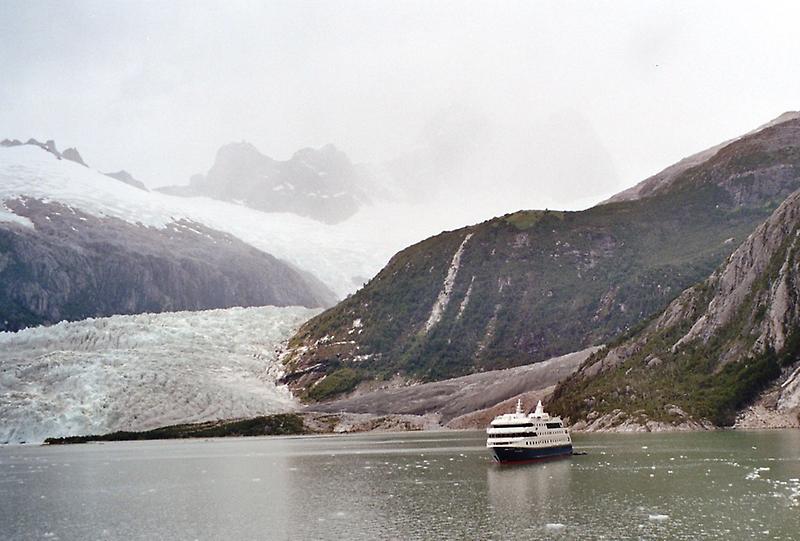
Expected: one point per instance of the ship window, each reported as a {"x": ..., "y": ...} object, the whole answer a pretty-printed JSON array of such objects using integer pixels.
[
  {"x": 513, "y": 435},
  {"x": 517, "y": 425},
  {"x": 553, "y": 425}
]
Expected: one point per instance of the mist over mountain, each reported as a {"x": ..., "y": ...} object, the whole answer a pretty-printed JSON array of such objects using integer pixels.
[
  {"x": 75, "y": 243},
  {"x": 317, "y": 183},
  {"x": 70, "y": 154},
  {"x": 534, "y": 284},
  {"x": 343, "y": 255},
  {"x": 127, "y": 178}
]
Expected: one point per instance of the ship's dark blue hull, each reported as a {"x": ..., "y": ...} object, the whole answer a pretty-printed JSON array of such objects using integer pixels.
[{"x": 528, "y": 454}]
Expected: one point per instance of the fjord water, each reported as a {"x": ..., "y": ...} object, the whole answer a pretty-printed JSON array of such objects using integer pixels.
[{"x": 434, "y": 485}]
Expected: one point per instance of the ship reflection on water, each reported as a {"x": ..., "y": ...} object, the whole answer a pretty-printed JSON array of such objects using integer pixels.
[{"x": 517, "y": 489}]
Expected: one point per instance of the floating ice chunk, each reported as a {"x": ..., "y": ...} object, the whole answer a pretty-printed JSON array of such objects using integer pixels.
[
  {"x": 554, "y": 526},
  {"x": 657, "y": 517}
]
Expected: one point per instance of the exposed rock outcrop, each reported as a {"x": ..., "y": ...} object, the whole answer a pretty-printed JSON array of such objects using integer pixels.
[
  {"x": 318, "y": 183},
  {"x": 127, "y": 178},
  {"x": 73, "y": 155},
  {"x": 730, "y": 343}
]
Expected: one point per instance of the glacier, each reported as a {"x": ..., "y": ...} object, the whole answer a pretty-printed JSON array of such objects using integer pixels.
[{"x": 144, "y": 371}]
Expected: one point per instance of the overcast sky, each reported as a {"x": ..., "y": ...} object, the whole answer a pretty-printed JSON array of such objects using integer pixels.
[{"x": 566, "y": 102}]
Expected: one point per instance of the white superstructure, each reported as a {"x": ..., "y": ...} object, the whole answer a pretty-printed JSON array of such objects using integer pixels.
[{"x": 519, "y": 436}]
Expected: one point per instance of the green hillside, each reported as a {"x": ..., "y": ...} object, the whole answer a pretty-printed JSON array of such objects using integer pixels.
[
  {"x": 711, "y": 351},
  {"x": 535, "y": 284}
]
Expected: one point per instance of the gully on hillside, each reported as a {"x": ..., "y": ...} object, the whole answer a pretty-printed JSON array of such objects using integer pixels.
[{"x": 531, "y": 285}]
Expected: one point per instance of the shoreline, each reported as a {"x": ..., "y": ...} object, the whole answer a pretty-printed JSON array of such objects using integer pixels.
[{"x": 311, "y": 424}]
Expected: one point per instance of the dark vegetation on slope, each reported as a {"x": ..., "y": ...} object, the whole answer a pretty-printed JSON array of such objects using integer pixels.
[
  {"x": 283, "y": 424},
  {"x": 73, "y": 265},
  {"x": 545, "y": 283},
  {"x": 713, "y": 374}
]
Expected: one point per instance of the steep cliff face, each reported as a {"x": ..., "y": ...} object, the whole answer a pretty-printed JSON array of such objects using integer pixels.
[
  {"x": 712, "y": 351},
  {"x": 535, "y": 284},
  {"x": 64, "y": 264},
  {"x": 318, "y": 183}
]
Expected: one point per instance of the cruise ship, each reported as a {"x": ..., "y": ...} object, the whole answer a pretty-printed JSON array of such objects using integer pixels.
[{"x": 520, "y": 437}]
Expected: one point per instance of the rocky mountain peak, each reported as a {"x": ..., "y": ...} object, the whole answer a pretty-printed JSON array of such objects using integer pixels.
[
  {"x": 238, "y": 151},
  {"x": 318, "y": 183},
  {"x": 73, "y": 155},
  {"x": 127, "y": 178}
]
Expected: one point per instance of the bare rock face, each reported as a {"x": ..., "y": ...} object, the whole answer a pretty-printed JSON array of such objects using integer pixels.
[
  {"x": 71, "y": 265},
  {"x": 734, "y": 282},
  {"x": 127, "y": 178},
  {"x": 73, "y": 155},
  {"x": 724, "y": 351},
  {"x": 317, "y": 183}
]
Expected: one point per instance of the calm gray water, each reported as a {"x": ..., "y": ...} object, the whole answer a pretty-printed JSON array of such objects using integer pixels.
[{"x": 720, "y": 485}]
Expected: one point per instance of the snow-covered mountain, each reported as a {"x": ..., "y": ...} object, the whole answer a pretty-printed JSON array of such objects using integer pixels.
[
  {"x": 65, "y": 261},
  {"x": 343, "y": 256},
  {"x": 144, "y": 371}
]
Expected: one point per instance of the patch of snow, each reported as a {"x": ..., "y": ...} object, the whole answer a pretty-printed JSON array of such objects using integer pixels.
[
  {"x": 465, "y": 300},
  {"x": 7, "y": 216},
  {"x": 447, "y": 288},
  {"x": 143, "y": 371}
]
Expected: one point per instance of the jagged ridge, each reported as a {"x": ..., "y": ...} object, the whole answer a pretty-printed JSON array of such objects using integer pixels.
[{"x": 318, "y": 183}]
